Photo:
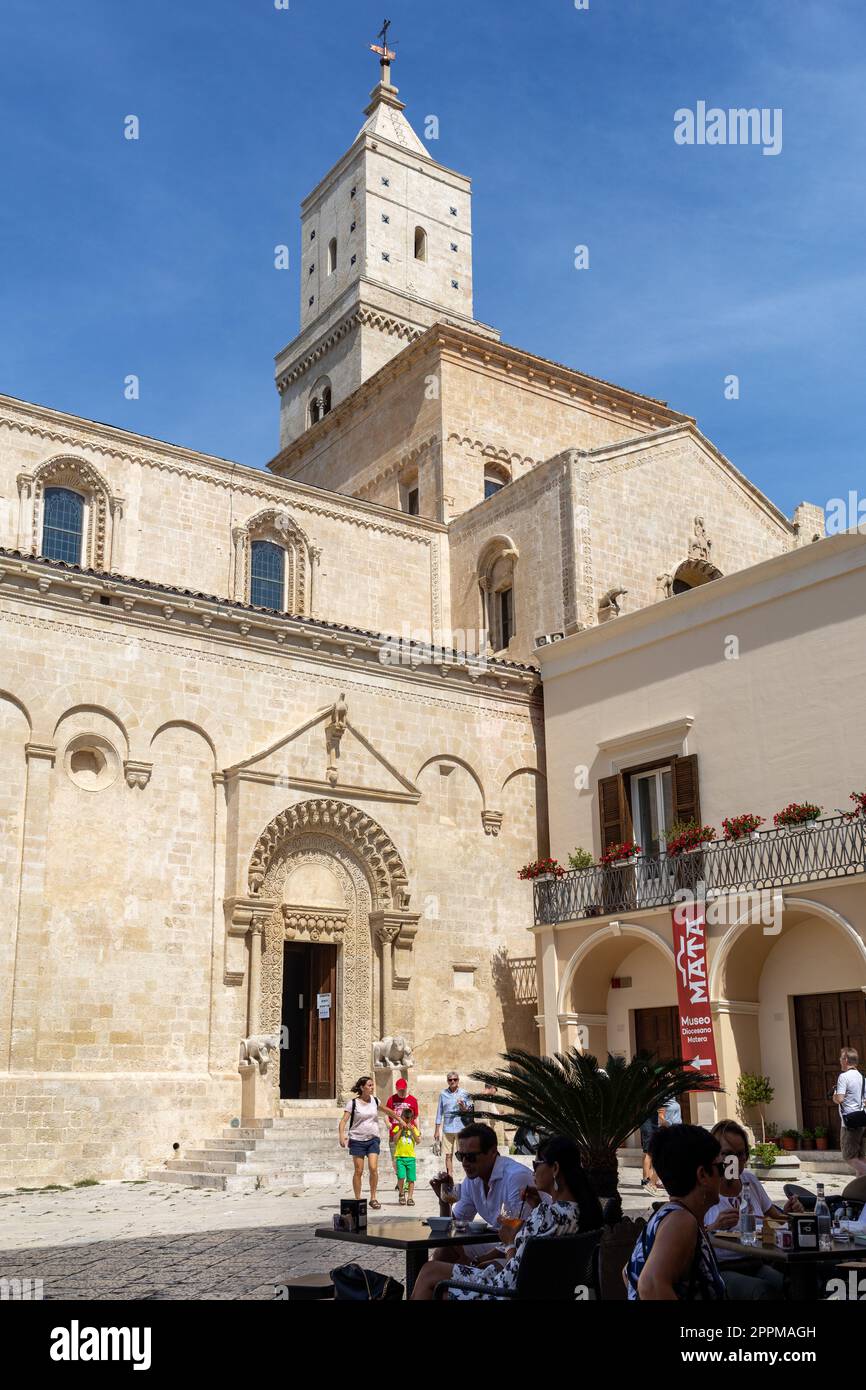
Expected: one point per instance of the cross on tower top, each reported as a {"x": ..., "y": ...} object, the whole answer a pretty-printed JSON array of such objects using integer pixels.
[{"x": 385, "y": 53}]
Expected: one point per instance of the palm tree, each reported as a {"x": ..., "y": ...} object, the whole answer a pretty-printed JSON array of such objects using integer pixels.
[{"x": 597, "y": 1107}]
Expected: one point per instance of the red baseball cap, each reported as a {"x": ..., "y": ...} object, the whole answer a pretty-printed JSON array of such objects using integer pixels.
[{"x": 402, "y": 1084}]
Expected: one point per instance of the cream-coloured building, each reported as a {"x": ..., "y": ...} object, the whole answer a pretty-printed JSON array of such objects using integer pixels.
[
  {"x": 740, "y": 697},
  {"x": 274, "y": 734}
]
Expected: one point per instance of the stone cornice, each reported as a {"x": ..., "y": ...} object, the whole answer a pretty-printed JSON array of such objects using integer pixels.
[
  {"x": 463, "y": 345},
  {"x": 209, "y": 619},
  {"x": 778, "y": 577},
  {"x": 355, "y": 317},
  {"x": 610, "y": 458},
  {"x": 73, "y": 432}
]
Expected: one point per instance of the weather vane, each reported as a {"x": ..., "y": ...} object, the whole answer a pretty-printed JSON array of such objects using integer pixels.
[{"x": 385, "y": 53}]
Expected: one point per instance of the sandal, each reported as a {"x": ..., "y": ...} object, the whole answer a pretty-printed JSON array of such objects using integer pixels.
[
  {"x": 402, "y": 1202},
  {"x": 375, "y": 1205},
  {"x": 410, "y": 1202}
]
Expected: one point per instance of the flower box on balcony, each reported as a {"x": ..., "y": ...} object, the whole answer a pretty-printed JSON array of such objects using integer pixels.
[
  {"x": 797, "y": 816},
  {"x": 686, "y": 837},
  {"x": 543, "y": 870},
  {"x": 742, "y": 827},
  {"x": 624, "y": 853}
]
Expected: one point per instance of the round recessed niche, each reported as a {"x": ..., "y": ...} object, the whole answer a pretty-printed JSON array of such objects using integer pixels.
[{"x": 91, "y": 762}]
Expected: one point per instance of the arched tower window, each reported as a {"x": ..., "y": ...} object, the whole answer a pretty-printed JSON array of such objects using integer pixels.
[
  {"x": 420, "y": 244},
  {"x": 63, "y": 525},
  {"x": 332, "y": 255},
  {"x": 495, "y": 479},
  {"x": 268, "y": 576},
  {"x": 319, "y": 403}
]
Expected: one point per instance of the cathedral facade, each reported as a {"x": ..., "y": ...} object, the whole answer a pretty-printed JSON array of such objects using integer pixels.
[{"x": 273, "y": 739}]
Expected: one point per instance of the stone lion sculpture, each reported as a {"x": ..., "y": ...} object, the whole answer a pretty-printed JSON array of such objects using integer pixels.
[
  {"x": 260, "y": 1048},
  {"x": 392, "y": 1052}
]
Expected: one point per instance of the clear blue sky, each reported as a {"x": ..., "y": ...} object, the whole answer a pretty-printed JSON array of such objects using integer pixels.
[{"x": 156, "y": 257}]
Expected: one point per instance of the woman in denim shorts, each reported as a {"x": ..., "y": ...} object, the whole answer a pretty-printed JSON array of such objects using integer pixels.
[{"x": 359, "y": 1133}]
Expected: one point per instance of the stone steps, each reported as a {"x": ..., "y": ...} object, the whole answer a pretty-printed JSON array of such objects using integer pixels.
[{"x": 296, "y": 1149}]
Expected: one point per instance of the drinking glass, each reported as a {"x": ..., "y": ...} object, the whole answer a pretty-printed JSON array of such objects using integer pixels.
[{"x": 511, "y": 1218}]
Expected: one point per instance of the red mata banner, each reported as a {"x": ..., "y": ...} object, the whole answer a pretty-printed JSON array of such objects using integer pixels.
[{"x": 696, "y": 1023}]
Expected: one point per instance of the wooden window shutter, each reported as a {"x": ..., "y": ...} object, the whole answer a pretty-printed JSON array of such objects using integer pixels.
[
  {"x": 687, "y": 800},
  {"x": 613, "y": 811}
]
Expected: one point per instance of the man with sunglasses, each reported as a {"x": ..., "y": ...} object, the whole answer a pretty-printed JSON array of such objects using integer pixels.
[{"x": 489, "y": 1179}]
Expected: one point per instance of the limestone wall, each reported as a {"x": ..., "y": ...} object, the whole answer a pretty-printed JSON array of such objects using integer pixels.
[
  {"x": 172, "y": 517},
  {"x": 119, "y": 1030}
]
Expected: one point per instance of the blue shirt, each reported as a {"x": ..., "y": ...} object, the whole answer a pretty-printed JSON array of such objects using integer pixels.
[{"x": 449, "y": 1110}]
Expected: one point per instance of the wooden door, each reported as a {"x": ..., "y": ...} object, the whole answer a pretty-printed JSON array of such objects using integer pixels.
[
  {"x": 825, "y": 1024},
  {"x": 657, "y": 1031},
  {"x": 294, "y": 1021},
  {"x": 320, "y": 1063}
]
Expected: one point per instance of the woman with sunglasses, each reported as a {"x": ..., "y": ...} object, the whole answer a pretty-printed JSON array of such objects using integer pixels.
[
  {"x": 673, "y": 1258},
  {"x": 560, "y": 1203}
]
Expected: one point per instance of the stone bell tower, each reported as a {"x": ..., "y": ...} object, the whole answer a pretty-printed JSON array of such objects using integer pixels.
[{"x": 386, "y": 251}]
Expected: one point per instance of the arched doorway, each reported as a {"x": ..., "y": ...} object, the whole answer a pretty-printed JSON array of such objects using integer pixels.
[
  {"x": 787, "y": 1002},
  {"x": 338, "y": 896}
]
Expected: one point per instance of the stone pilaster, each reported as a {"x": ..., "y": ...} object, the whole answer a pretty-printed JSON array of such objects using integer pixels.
[{"x": 33, "y": 931}]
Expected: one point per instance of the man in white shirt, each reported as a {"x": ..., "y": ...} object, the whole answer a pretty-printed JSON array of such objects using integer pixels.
[
  {"x": 753, "y": 1279},
  {"x": 490, "y": 1178},
  {"x": 849, "y": 1095}
]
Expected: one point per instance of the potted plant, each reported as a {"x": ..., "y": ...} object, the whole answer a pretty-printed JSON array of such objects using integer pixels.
[
  {"x": 544, "y": 869},
  {"x": 753, "y": 1093},
  {"x": 688, "y": 835},
  {"x": 859, "y": 799},
  {"x": 742, "y": 827},
  {"x": 790, "y": 1139},
  {"x": 798, "y": 815},
  {"x": 765, "y": 1155},
  {"x": 807, "y": 1139},
  {"x": 597, "y": 1107},
  {"x": 821, "y": 1138},
  {"x": 580, "y": 859},
  {"x": 621, "y": 853}
]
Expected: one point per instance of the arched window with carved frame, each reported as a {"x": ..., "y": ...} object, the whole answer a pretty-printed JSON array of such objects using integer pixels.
[
  {"x": 273, "y": 563},
  {"x": 68, "y": 513},
  {"x": 497, "y": 574}
]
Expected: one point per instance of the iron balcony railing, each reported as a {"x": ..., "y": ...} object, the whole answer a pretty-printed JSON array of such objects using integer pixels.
[{"x": 834, "y": 847}]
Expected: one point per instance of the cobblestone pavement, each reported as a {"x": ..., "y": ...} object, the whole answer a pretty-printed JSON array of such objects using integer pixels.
[{"x": 135, "y": 1241}]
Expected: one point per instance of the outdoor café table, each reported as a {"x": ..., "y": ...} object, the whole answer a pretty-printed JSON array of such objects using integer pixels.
[
  {"x": 801, "y": 1267},
  {"x": 410, "y": 1234}
]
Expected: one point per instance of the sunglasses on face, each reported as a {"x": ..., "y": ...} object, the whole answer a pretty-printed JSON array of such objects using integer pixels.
[
  {"x": 538, "y": 1163},
  {"x": 466, "y": 1157}
]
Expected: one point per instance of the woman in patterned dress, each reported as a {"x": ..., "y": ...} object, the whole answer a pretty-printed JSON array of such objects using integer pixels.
[
  {"x": 573, "y": 1207},
  {"x": 673, "y": 1258}
]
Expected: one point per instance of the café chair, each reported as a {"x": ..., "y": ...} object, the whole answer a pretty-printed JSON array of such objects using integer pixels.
[{"x": 550, "y": 1270}]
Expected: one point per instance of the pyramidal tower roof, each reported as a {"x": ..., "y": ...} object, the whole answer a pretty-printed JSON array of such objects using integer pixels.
[{"x": 385, "y": 119}]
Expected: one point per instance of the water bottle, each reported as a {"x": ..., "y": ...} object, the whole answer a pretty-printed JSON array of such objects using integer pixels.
[
  {"x": 748, "y": 1234},
  {"x": 822, "y": 1217}
]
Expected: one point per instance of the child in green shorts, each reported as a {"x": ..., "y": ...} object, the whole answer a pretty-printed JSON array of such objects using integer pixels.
[{"x": 407, "y": 1134}]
